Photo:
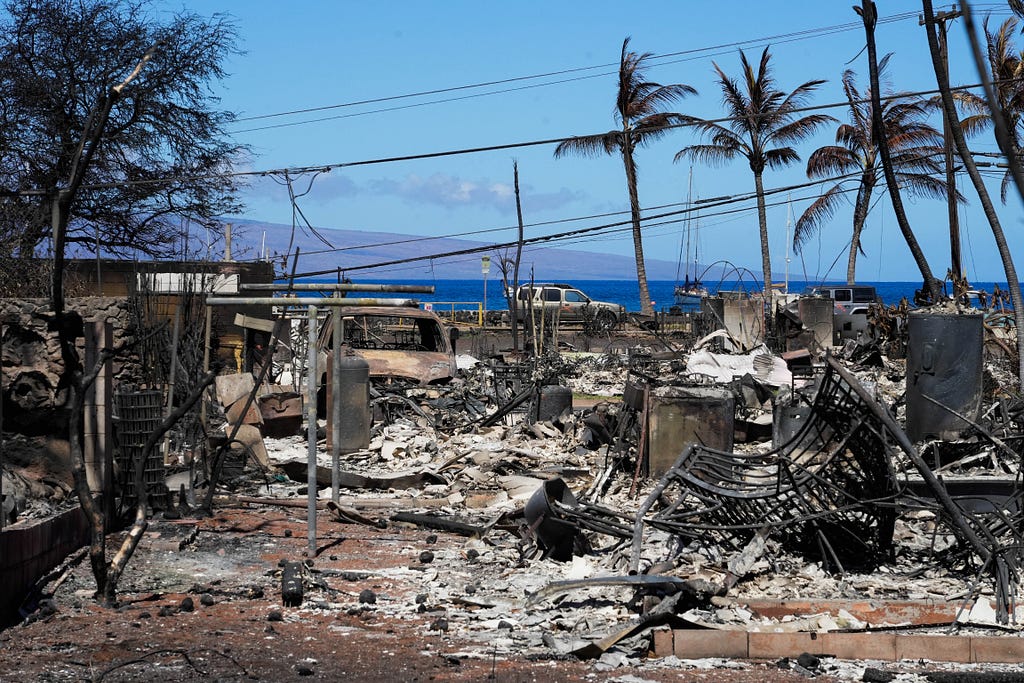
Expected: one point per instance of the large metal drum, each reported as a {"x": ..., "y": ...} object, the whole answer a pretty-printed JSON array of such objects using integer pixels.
[{"x": 354, "y": 402}]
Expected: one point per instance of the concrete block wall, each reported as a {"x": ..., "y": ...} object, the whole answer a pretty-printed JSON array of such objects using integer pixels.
[{"x": 30, "y": 549}]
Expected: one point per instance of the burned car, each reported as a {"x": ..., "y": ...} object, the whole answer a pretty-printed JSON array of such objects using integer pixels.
[{"x": 400, "y": 342}]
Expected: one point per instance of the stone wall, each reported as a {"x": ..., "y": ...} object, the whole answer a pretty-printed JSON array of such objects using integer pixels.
[{"x": 32, "y": 368}]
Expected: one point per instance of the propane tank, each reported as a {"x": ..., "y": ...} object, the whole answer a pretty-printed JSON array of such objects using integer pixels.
[{"x": 354, "y": 403}]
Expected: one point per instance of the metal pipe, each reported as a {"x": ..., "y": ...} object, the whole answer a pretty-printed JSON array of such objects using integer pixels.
[
  {"x": 311, "y": 380},
  {"x": 333, "y": 287},
  {"x": 337, "y": 336},
  {"x": 306, "y": 301}
]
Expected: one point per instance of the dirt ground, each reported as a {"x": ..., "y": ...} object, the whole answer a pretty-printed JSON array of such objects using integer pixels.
[{"x": 227, "y": 567}]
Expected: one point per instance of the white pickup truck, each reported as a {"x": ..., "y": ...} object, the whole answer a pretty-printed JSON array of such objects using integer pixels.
[{"x": 568, "y": 304}]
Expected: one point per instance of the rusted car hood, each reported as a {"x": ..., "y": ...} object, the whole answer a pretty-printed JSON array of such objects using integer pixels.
[{"x": 424, "y": 367}]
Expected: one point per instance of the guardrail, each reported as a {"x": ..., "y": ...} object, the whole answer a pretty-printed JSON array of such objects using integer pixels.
[{"x": 450, "y": 310}]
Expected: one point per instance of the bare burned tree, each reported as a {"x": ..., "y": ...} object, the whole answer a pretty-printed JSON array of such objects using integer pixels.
[
  {"x": 162, "y": 155},
  {"x": 103, "y": 101},
  {"x": 513, "y": 307}
]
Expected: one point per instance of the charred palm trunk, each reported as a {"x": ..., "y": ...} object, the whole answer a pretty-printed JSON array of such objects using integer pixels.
[
  {"x": 762, "y": 219},
  {"x": 638, "y": 242},
  {"x": 869, "y": 14},
  {"x": 1012, "y": 281},
  {"x": 860, "y": 215}
]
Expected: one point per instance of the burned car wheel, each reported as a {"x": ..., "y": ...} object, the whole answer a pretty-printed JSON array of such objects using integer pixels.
[{"x": 605, "y": 321}]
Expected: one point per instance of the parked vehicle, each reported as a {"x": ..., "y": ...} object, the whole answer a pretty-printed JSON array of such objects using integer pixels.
[
  {"x": 847, "y": 299},
  {"x": 568, "y": 304}
]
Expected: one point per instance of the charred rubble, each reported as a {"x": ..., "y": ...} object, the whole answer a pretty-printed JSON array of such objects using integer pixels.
[{"x": 575, "y": 475}]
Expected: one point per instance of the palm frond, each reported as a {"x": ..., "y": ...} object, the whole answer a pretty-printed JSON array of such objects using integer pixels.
[
  {"x": 736, "y": 106},
  {"x": 780, "y": 157},
  {"x": 801, "y": 129},
  {"x": 856, "y": 138},
  {"x": 973, "y": 125},
  {"x": 713, "y": 155},
  {"x": 656, "y": 126},
  {"x": 926, "y": 185},
  {"x": 652, "y": 97},
  {"x": 589, "y": 145},
  {"x": 970, "y": 101},
  {"x": 811, "y": 220},
  {"x": 831, "y": 160}
]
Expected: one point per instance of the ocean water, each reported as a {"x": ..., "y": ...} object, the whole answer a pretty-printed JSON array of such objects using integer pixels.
[{"x": 467, "y": 293}]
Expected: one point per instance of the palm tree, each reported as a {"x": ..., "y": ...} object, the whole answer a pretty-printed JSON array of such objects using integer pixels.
[
  {"x": 1006, "y": 66},
  {"x": 942, "y": 79},
  {"x": 915, "y": 145},
  {"x": 931, "y": 288},
  {"x": 638, "y": 109},
  {"x": 762, "y": 122}
]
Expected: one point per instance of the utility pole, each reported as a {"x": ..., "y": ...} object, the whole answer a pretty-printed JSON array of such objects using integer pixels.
[{"x": 954, "y": 222}]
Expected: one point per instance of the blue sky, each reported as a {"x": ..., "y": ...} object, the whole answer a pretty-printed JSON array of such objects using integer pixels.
[{"x": 311, "y": 54}]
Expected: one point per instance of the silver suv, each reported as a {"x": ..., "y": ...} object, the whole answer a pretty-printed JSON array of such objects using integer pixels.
[{"x": 568, "y": 304}]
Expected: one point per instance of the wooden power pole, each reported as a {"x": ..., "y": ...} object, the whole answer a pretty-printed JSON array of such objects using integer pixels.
[{"x": 956, "y": 261}]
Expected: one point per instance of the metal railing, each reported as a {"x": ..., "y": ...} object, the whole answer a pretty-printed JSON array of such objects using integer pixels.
[{"x": 449, "y": 310}]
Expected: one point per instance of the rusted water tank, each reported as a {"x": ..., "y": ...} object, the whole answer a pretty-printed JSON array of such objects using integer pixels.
[
  {"x": 944, "y": 363},
  {"x": 680, "y": 416},
  {"x": 354, "y": 402},
  {"x": 554, "y": 399}
]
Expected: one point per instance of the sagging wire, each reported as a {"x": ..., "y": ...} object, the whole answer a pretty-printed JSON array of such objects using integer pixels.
[{"x": 296, "y": 211}]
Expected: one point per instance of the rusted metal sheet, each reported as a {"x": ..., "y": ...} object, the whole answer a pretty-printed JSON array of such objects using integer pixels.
[
  {"x": 424, "y": 367},
  {"x": 679, "y": 416}
]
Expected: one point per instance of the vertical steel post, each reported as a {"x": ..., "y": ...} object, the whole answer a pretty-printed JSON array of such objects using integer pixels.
[
  {"x": 337, "y": 338},
  {"x": 311, "y": 381}
]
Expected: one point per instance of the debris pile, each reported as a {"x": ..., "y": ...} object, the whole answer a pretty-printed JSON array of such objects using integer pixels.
[{"x": 588, "y": 529}]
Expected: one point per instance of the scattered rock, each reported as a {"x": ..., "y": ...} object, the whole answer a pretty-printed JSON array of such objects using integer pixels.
[
  {"x": 873, "y": 675},
  {"x": 808, "y": 661}
]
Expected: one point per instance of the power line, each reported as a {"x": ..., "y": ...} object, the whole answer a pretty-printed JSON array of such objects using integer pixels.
[
  {"x": 448, "y": 153},
  {"x": 581, "y": 231},
  {"x": 691, "y": 54}
]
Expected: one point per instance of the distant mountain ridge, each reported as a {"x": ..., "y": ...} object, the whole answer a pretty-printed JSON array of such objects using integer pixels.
[{"x": 349, "y": 250}]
